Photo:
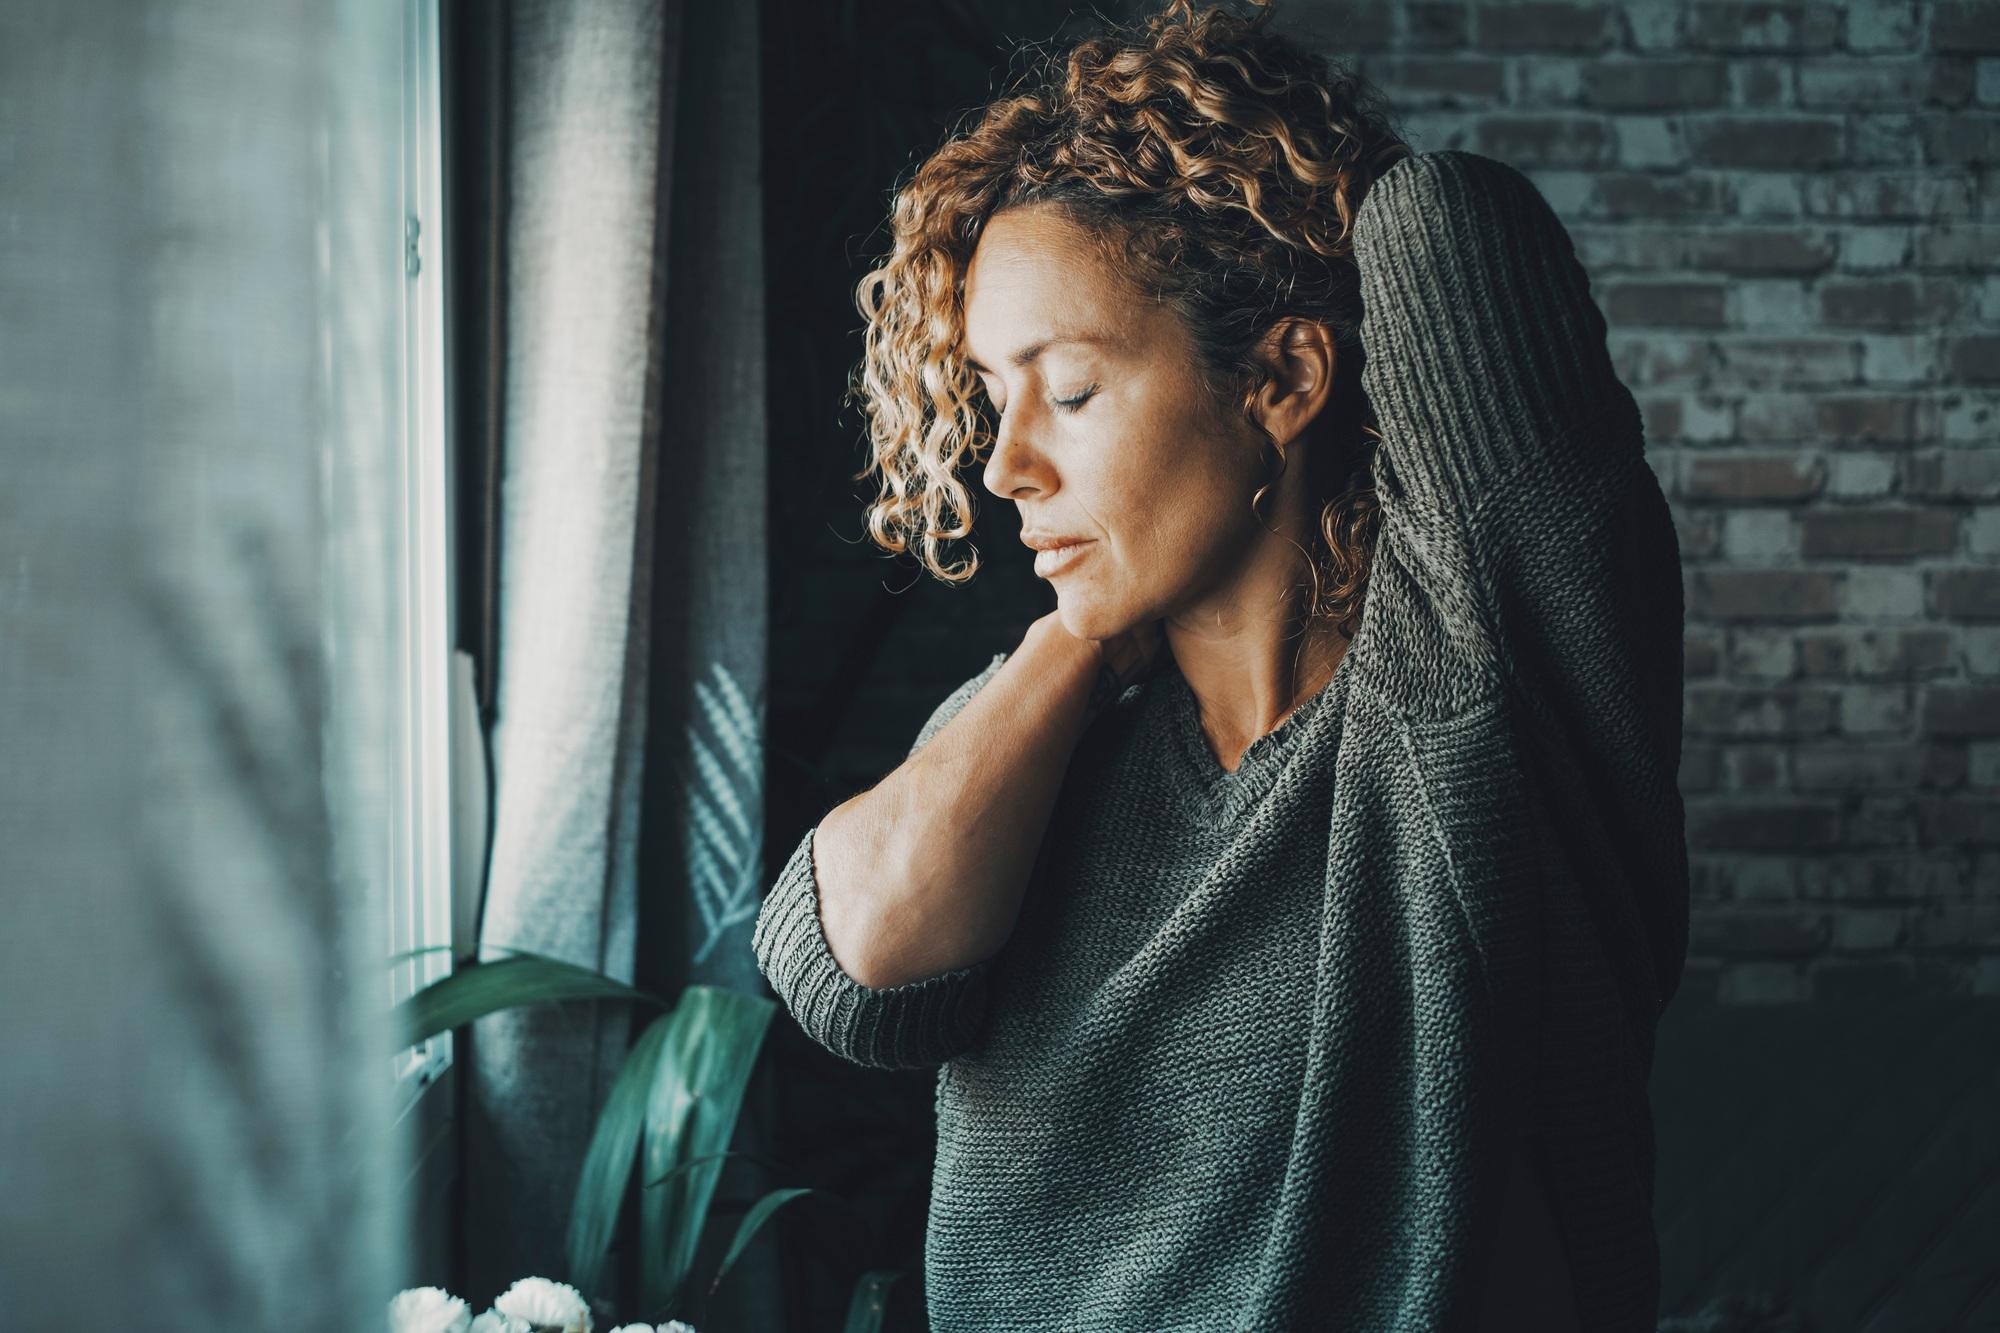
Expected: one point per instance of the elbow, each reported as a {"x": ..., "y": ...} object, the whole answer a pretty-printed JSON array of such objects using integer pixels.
[
  {"x": 877, "y": 958},
  {"x": 849, "y": 936}
]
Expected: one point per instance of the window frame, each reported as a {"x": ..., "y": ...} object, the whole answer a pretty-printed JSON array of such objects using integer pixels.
[{"x": 421, "y": 837}]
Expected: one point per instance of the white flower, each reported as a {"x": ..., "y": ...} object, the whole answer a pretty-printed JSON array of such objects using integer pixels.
[
  {"x": 495, "y": 1322},
  {"x": 546, "y": 1304},
  {"x": 428, "y": 1310},
  {"x": 671, "y": 1326}
]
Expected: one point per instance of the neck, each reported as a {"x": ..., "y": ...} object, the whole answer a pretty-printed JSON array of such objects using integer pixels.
[{"x": 1248, "y": 676}]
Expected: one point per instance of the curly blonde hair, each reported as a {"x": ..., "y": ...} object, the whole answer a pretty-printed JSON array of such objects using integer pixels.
[{"x": 1221, "y": 166}]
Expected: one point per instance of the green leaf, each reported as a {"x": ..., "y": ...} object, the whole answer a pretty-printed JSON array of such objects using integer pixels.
[
  {"x": 759, "y": 1213},
  {"x": 871, "y": 1301},
  {"x": 693, "y": 1162},
  {"x": 712, "y": 1046},
  {"x": 607, "y": 1164},
  {"x": 408, "y": 954},
  {"x": 483, "y": 988}
]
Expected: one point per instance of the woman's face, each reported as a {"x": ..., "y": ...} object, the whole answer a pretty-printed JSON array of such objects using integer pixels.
[{"x": 1104, "y": 433}]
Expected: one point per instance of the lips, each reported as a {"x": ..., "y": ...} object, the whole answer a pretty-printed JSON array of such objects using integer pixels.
[{"x": 1050, "y": 560}]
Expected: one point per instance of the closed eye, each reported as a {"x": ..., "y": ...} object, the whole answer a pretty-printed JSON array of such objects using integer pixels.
[
  {"x": 1072, "y": 404},
  {"x": 1066, "y": 404}
]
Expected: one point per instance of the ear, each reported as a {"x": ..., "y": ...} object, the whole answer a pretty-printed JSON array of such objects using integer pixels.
[{"x": 1301, "y": 356}]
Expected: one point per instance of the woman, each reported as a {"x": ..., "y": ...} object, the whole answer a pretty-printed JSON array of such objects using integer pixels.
[{"x": 1290, "y": 912}]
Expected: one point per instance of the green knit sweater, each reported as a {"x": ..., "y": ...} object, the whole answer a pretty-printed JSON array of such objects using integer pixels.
[{"x": 1257, "y": 1050}]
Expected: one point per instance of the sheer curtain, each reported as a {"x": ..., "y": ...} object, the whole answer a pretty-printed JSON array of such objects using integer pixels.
[{"x": 628, "y": 448}]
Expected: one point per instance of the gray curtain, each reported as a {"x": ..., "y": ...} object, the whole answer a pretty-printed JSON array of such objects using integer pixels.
[
  {"x": 629, "y": 454},
  {"x": 199, "y": 287}
]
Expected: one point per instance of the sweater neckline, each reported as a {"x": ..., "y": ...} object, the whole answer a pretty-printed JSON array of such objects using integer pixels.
[{"x": 1210, "y": 793}]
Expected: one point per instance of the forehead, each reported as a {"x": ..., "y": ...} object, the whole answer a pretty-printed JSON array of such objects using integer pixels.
[{"x": 1036, "y": 275}]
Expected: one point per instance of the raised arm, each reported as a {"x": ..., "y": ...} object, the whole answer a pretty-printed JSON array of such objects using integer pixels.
[
  {"x": 1526, "y": 545},
  {"x": 1484, "y": 350}
]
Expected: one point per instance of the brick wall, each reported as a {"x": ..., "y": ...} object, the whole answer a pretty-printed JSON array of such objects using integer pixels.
[{"x": 1791, "y": 218}]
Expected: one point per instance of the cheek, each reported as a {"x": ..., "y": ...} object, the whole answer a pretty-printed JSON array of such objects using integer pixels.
[
  {"x": 1168, "y": 498},
  {"x": 1187, "y": 512},
  {"x": 1174, "y": 540}
]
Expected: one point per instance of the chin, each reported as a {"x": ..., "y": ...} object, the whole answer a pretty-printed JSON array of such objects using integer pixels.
[{"x": 1087, "y": 617}]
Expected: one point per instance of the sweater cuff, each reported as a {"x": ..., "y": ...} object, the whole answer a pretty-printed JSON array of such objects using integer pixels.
[
  {"x": 1483, "y": 348},
  {"x": 917, "y": 1025}
]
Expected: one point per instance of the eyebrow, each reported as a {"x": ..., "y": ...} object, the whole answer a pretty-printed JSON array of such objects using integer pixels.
[{"x": 1034, "y": 349}]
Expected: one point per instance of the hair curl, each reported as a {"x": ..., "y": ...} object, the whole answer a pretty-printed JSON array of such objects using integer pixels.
[{"x": 1222, "y": 166}]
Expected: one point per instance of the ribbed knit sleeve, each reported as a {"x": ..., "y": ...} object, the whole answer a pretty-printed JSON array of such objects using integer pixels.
[
  {"x": 917, "y": 1025},
  {"x": 1484, "y": 347},
  {"x": 1541, "y": 538}
]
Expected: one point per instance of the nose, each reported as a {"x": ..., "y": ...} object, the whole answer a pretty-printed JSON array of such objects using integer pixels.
[{"x": 1015, "y": 468}]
